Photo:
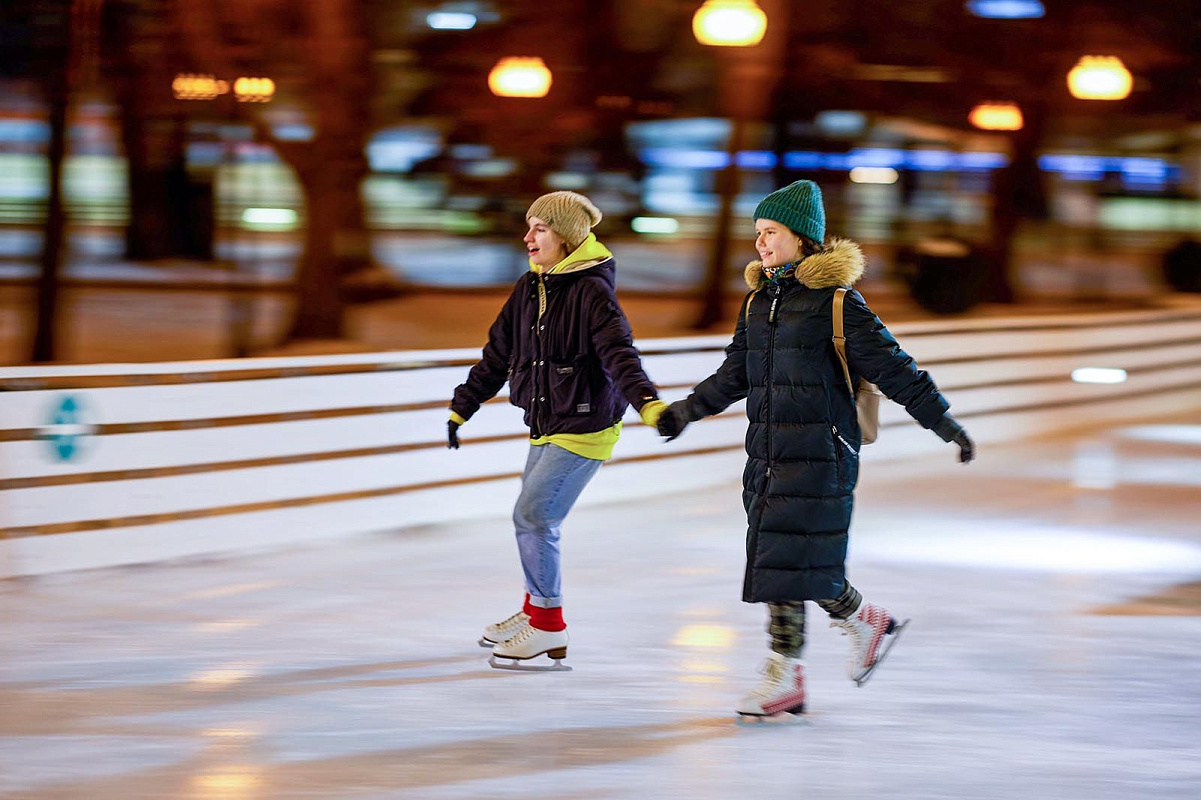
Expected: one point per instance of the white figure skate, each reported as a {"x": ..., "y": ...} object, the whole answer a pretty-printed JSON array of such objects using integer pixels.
[
  {"x": 873, "y": 633},
  {"x": 781, "y": 695},
  {"x": 527, "y": 644},
  {"x": 497, "y": 632}
]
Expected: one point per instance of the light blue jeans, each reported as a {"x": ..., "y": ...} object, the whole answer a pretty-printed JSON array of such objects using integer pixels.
[{"x": 552, "y": 482}]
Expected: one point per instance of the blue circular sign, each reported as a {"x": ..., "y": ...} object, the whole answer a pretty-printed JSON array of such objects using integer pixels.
[{"x": 67, "y": 428}]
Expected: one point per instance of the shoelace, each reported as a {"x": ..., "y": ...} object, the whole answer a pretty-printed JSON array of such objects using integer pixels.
[
  {"x": 773, "y": 673},
  {"x": 521, "y": 635},
  {"x": 849, "y": 629},
  {"x": 511, "y": 621}
]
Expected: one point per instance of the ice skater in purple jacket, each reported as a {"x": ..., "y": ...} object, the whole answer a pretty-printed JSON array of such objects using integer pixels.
[{"x": 564, "y": 345}]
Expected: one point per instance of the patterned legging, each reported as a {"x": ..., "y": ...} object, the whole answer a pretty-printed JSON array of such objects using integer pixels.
[{"x": 786, "y": 621}]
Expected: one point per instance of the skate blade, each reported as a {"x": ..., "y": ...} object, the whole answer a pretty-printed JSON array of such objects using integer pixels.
[
  {"x": 891, "y": 643},
  {"x": 768, "y": 720},
  {"x": 519, "y": 665}
]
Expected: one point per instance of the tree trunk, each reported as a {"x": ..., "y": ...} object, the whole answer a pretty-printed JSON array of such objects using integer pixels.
[
  {"x": 319, "y": 309},
  {"x": 48, "y": 282},
  {"x": 162, "y": 221},
  {"x": 716, "y": 276},
  {"x": 157, "y": 179},
  {"x": 1017, "y": 194},
  {"x": 337, "y": 243}
]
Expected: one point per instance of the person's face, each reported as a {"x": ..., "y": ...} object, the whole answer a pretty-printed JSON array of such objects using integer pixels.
[
  {"x": 544, "y": 245},
  {"x": 777, "y": 245}
]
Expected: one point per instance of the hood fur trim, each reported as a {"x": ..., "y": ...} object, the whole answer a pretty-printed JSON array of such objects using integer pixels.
[{"x": 840, "y": 264}]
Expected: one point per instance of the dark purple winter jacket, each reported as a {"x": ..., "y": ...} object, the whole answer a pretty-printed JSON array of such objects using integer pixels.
[{"x": 574, "y": 370}]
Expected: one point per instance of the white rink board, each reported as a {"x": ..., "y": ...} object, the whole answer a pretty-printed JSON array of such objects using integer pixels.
[{"x": 1005, "y": 379}]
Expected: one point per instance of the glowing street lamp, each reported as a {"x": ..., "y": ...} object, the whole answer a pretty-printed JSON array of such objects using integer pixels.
[
  {"x": 1100, "y": 78},
  {"x": 519, "y": 77},
  {"x": 729, "y": 23},
  {"x": 254, "y": 90},
  {"x": 997, "y": 117},
  {"x": 188, "y": 86}
]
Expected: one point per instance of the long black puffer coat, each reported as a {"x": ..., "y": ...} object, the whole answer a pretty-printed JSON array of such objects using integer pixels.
[{"x": 803, "y": 440}]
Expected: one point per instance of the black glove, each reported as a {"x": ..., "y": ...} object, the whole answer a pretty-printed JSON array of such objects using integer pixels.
[
  {"x": 452, "y": 435},
  {"x": 951, "y": 431},
  {"x": 673, "y": 420}
]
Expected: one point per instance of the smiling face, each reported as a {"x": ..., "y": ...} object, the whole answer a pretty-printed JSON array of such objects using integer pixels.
[
  {"x": 546, "y": 248},
  {"x": 777, "y": 245}
]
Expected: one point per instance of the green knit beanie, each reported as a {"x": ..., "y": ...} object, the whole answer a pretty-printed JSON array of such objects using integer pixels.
[{"x": 799, "y": 206}]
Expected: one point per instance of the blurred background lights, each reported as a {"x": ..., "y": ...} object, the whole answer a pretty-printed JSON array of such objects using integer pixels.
[
  {"x": 841, "y": 123},
  {"x": 655, "y": 225},
  {"x": 1100, "y": 78},
  {"x": 873, "y": 175},
  {"x": 729, "y": 23},
  {"x": 1006, "y": 9},
  {"x": 451, "y": 20},
  {"x": 269, "y": 216},
  {"x": 996, "y": 117},
  {"x": 1099, "y": 375},
  {"x": 187, "y": 86},
  {"x": 520, "y": 77},
  {"x": 254, "y": 90}
]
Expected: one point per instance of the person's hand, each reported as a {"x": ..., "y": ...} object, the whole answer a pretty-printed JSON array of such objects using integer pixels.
[
  {"x": 452, "y": 435},
  {"x": 673, "y": 421},
  {"x": 951, "y": 431}
]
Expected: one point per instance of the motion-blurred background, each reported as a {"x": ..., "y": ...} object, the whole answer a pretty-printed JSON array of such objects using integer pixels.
[{"x": 205, "y": 178}]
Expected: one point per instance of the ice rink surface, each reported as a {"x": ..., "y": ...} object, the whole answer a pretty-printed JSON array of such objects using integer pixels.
[{"x": 1054, "y": 652}]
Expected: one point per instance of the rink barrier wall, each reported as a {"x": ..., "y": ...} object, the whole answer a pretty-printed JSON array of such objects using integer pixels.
[{"x": 157, "y": 461}]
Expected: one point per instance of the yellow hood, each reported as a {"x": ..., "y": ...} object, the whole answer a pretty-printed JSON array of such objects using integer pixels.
[{"x": 587, "y": 255}]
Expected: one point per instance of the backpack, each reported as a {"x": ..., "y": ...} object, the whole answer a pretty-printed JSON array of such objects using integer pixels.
[{"x": 866, "y": 395}]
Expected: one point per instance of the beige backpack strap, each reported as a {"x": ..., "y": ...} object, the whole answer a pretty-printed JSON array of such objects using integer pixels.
[
  {"x": 840, "y": 342},
  {"x": 746, "y": 314}
]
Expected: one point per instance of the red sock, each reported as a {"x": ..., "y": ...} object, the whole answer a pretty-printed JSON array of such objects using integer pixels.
[
  {"x": 526, "y": 607},
  {"x": 547, "y": 619}
]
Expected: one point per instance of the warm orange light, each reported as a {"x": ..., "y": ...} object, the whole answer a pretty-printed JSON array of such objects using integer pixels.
[
  {"x": 187, "y": 86},
  {"x": 997, "y": 117},
  {"x": 519, "y": 77},
  {"x": 729, "y": 23},
  {"x": 254, "y": 90},
  {"x": 1100, "y": 78}
]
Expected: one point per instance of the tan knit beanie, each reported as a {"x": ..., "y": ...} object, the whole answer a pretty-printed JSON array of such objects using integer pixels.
[{"x": 568, "y": 214}]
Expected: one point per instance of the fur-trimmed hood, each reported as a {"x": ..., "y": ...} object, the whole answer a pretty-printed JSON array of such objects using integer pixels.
[{"x": 840, "y": 264}]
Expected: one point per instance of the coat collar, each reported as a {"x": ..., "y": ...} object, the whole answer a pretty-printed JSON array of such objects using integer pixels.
[
  {"x": 588, "y": 255},
  {"x": 840, "y": 264}
]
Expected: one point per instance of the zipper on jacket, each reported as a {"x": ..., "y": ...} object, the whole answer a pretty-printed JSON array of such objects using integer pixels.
[
  {"x": 845, "y": 443},
  {"x": 771, "y": 350},
  {"x": 538, "y": 353}
]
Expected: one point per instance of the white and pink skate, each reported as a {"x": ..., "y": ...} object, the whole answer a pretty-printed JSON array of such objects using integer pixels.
[
  {"x": 781, "y": 695},
  {"x": 873, "y": 632}
]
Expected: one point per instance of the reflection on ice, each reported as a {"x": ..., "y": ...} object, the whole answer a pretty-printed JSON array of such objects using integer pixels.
[
  {"x": 1171, "y": 434},
  {"x": 984, "y": 544},
  {"x": 717, "y": 637}
]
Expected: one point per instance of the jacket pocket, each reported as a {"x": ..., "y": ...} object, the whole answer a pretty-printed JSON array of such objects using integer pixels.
[
  {"x": 847, "y": 458},
  {"x": 570, "y": 392},
  {"x": 519, "y": 387}
]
